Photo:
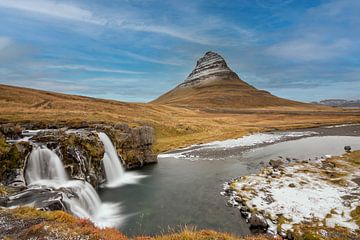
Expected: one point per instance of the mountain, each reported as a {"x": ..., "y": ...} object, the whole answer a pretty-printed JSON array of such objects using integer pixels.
[
  {"x": 212, "y": 84},
  {"x": 340, "y": 103}
]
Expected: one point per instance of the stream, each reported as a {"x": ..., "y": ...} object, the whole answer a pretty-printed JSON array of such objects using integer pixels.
[{"x": 183, "y": 189}]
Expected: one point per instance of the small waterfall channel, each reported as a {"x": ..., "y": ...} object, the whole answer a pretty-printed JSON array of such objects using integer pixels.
[
  {"x": 44, "y": 169},
  {"x": 115, "y": 174}
]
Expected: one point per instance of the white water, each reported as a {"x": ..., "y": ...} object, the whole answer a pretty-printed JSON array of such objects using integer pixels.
[
  {"x": 115, "y": 174},
  {"x": 44, "y": 164},
  {"x": 45, "y": 169},
  {"x": 113, "y": 167}
]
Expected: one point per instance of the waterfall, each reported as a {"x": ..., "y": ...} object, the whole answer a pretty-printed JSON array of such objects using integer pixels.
[
  {"x": 115, "y": 174},
  {"x": 45, "y": 169},
  {"x": 44, "y": 164},
  {"x": 112, "y": 165}
]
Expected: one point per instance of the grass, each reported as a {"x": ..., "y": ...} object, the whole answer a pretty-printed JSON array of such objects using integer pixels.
[
  {"x": 60, "y": 225},
  {"x": 188, "y": 234},
  {"x": 55, "y": 225},
  {"x": 175, "y": 126}
]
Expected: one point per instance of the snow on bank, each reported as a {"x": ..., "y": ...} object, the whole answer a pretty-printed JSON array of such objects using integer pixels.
[
  {"x": 299, "y": 193},
  {"x": 246, "y": 141}
]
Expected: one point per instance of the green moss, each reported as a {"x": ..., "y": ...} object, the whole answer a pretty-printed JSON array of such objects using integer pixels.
[
  {"x": 10, "y": 160},
  {"x": 355, "y": 214},
  {"x": 4, "y": 147},
  {"x": 281, "y": 221}
]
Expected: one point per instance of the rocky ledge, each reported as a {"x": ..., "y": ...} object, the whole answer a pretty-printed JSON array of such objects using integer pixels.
[
  {"x": 315, "y": 199},
  {"x": 80, "y": 149}
]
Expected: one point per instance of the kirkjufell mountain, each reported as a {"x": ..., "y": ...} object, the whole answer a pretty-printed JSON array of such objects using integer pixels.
[{"x": 213, "y": 84}]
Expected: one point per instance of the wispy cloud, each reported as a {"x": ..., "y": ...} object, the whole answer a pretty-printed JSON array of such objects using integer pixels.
[
  {"x": 53, "y": 9},
  {"x": 124, "y": 21},
  {"x": 174, "y": 62},
  {"x": 92, "y": 69},
  {"x": 311, "y": 49}
]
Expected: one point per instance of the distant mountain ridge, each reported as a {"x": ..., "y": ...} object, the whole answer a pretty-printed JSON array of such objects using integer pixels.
[
  {"x": 212, "y": 84},
  {"x": 340, "y": 103}
]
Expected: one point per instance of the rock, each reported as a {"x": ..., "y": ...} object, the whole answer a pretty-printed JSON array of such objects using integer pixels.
[
  {"x": 347, "y": 148},
  {"x": 11, "y": 130},
  {"x": 356, "y": 180},
  {"x": 292, "y": 185},
  {"x": 244, "y": 209},
  {"x": 40, "y": 198},
  {"x": 289, "y": 235},
  {"x": 258, "y": 222},
  {"x": 3, "y": 201},
  {"x": 209, "y": 66},
  {"x": 12, "y": 160},
  {"x": 276, "y": 163},
  {"x": 327, "y": 164}
]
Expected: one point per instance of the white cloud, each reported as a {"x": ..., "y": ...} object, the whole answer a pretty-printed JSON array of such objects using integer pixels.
[
  {"x": 127, "y": 20},
  {"x": 53, "y": 9},
  {"x": 310, "y": 49},
  {"x": 92, "y": 69}
]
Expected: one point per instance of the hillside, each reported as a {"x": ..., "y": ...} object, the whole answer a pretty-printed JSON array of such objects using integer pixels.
[
  {"x": 175, "y": 127},
  {"x": 212, "y": 84},
  {"x": 340, "y": 103}
]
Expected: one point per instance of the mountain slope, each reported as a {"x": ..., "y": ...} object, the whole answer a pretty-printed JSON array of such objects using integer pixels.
[{"x": 212, "y": 84}]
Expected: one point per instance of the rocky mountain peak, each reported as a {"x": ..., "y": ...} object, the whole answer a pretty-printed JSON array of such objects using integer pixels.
[{"x": 211, "y": 64}]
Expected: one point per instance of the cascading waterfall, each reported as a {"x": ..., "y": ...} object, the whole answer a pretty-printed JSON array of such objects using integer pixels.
[
  {"x": 115, "y": 174},
  {"x": 44, "y": 164},
  {"x": 45, "y": 169}
]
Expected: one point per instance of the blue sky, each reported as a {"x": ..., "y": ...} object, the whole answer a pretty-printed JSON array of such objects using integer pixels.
[{"x": 135, "y": 50}]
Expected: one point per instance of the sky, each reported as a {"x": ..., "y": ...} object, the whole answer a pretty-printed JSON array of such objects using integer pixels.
[{"x": 136, "y": 50}]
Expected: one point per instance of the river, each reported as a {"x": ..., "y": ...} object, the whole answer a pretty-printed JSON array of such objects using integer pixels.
[{"x": 183, "y": 189}]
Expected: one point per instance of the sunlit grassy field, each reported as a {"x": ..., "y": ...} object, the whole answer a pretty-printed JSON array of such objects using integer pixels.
[{"x": 175, "y": 126}]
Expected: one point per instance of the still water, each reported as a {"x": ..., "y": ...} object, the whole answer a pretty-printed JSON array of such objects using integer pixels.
[{"x": 182, "y": 192}]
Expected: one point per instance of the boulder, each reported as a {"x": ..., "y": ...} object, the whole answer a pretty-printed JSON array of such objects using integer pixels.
[
  {"x": 276, "y": 163},
  {"x": 347, "y": 148},
  {"x": 258, "y": 222}
]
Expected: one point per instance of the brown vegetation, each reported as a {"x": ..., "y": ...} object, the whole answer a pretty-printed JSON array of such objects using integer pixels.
[{"x": 175, "y": 126}]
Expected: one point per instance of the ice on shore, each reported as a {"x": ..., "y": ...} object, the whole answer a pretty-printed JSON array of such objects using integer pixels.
[
  {"x": 246, "y": 141},
  {"x": 299, "y": 194}
]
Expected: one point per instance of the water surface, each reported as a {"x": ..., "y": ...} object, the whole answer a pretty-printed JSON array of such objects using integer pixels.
[{"x": 179, "y": 192}]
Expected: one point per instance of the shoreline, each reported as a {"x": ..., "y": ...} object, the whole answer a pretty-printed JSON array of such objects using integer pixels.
[{"x": 281, "y": 198}]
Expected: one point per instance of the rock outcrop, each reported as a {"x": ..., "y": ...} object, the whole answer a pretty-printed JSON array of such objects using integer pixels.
[
  {"x": 210, "y": 66},
  {"x": 80, "y": 150}
]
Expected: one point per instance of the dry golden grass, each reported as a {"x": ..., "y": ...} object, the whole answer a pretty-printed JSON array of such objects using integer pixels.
[
  {"x": 60, "y": 225},
  {"x": 175, "y": 126},
  {"x": 188, "y": 234}
]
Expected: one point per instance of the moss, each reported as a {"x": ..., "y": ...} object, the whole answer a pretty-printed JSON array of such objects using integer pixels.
[
  {"x": 281, "y": 221},
  {"x": 11, "y": 159},
  {"x": 355, "y": 214},
  {"x": 4, "y": 147},
  {"x": 3, "y": 190}
]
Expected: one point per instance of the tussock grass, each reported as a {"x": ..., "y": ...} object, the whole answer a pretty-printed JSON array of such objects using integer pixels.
[{"x": 175, "y": 126}]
